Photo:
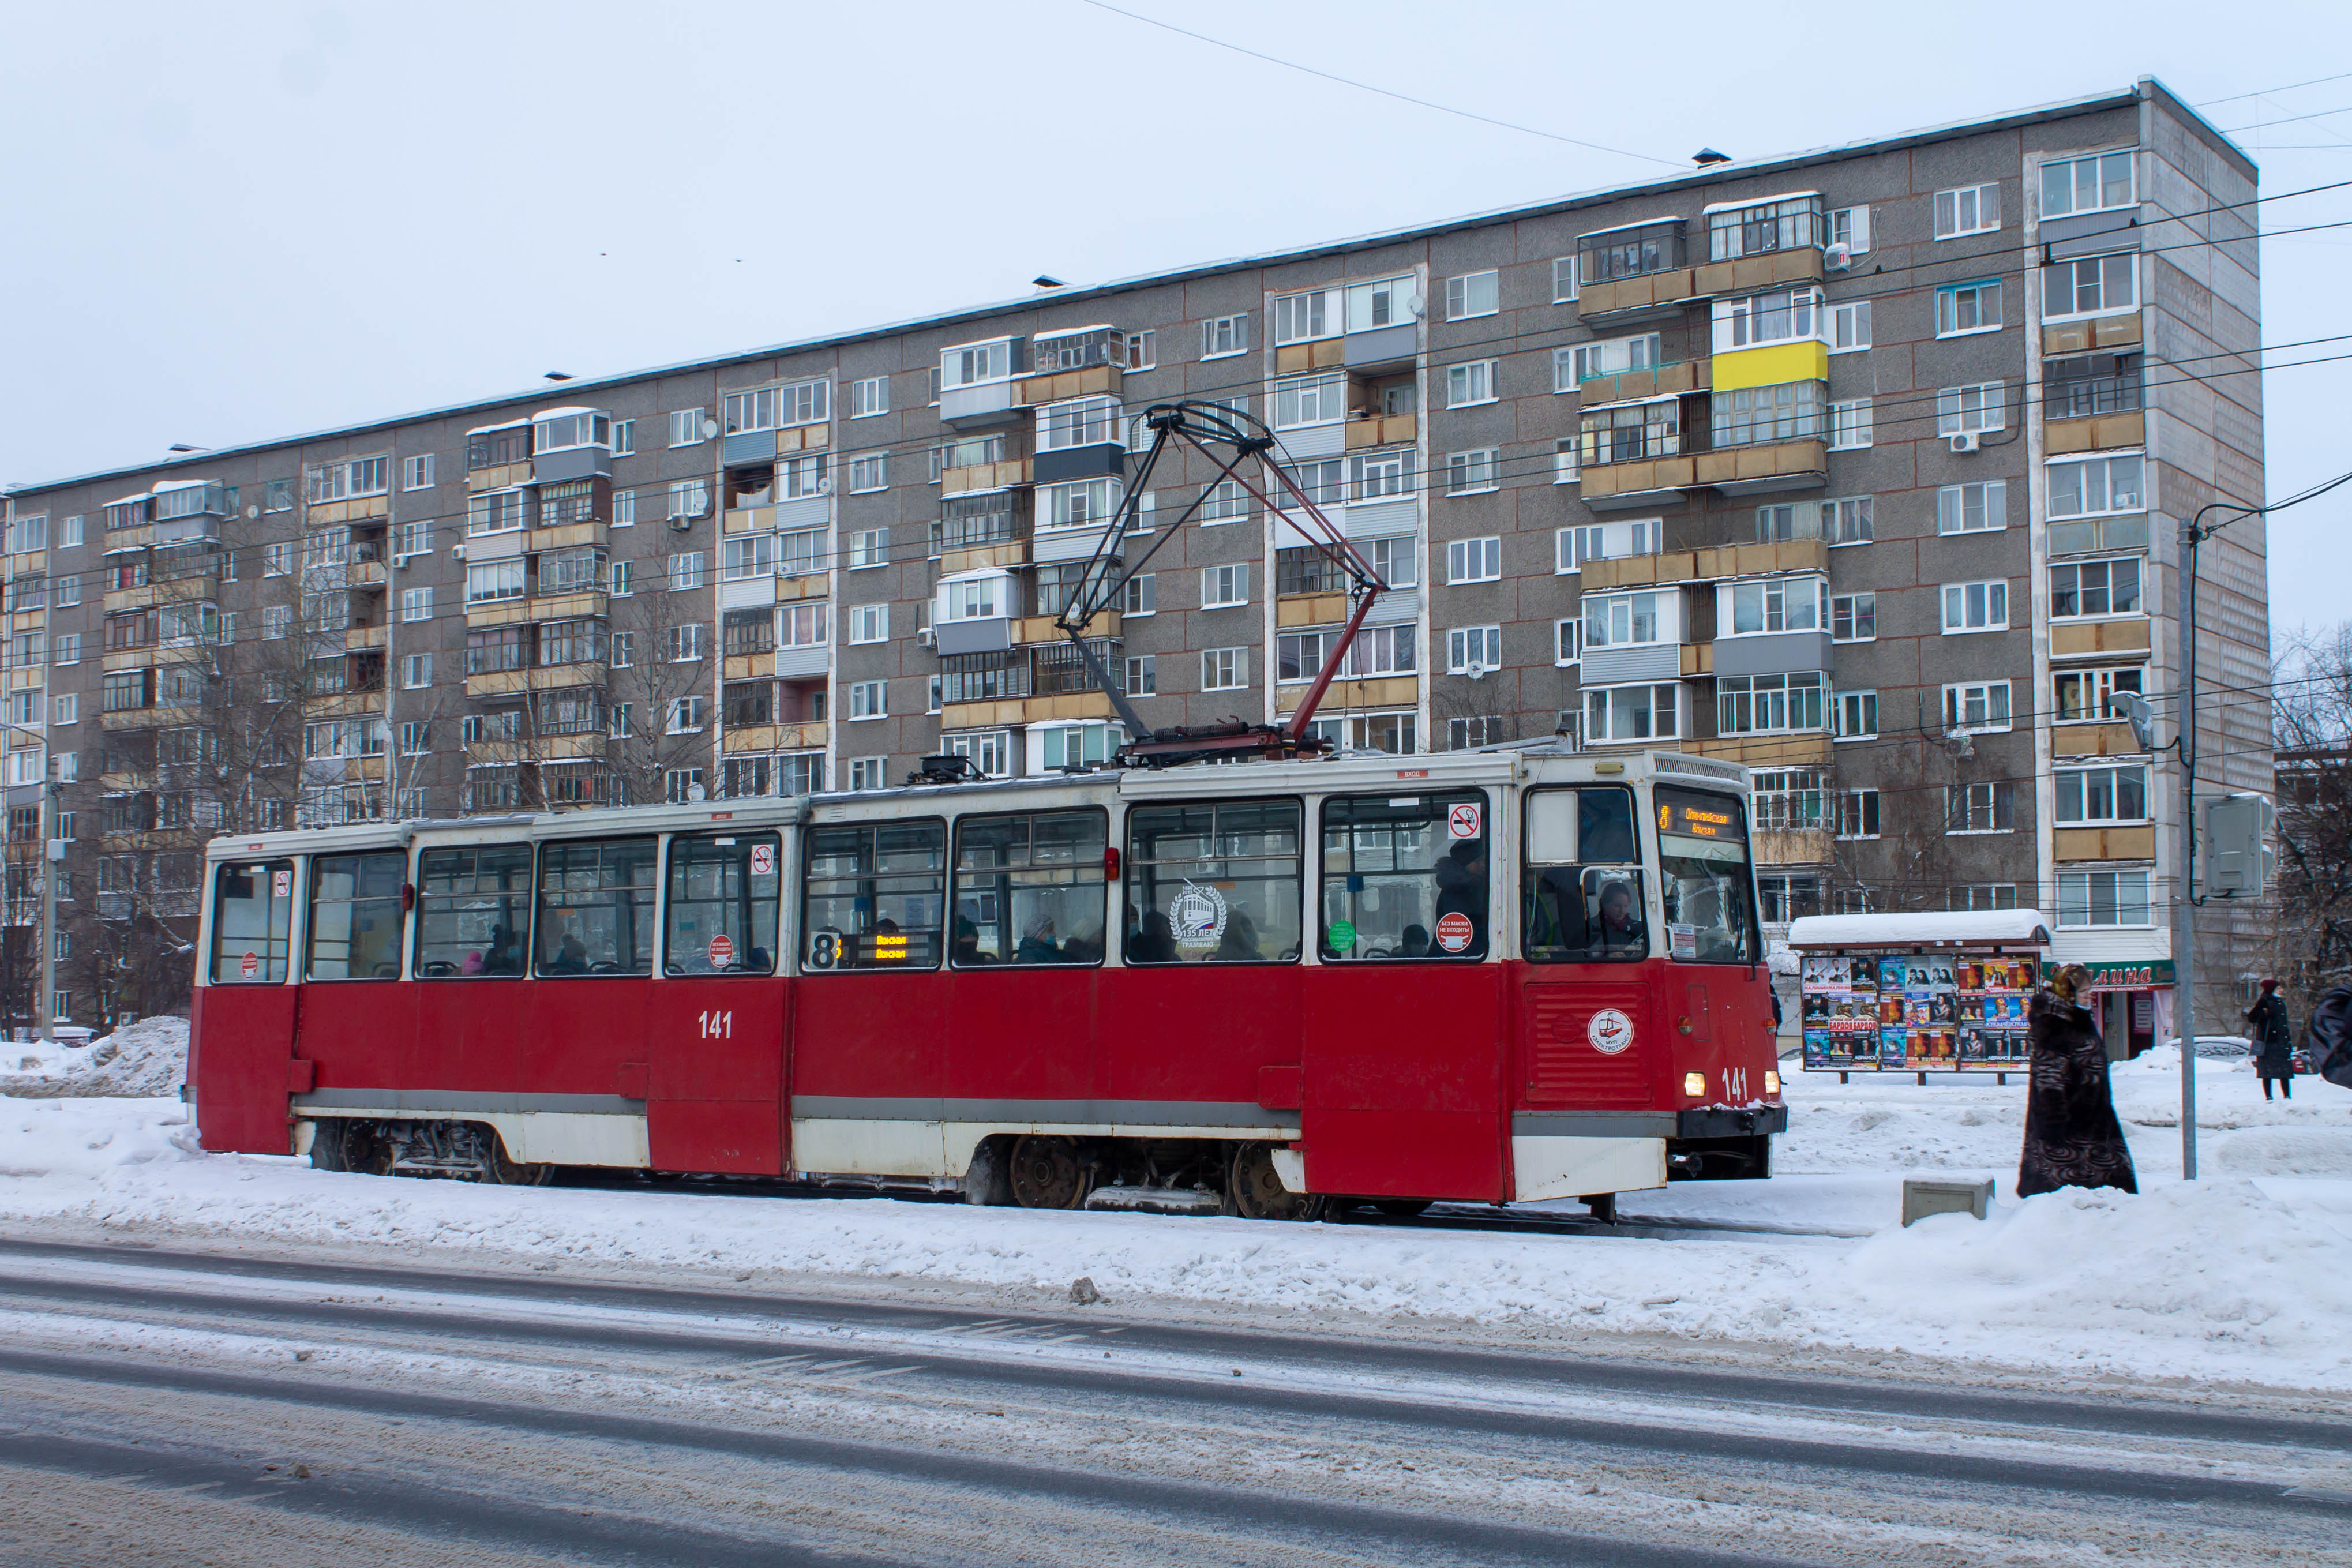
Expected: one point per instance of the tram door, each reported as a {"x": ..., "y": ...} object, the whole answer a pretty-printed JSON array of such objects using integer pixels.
[
  {"x": 714, "y": 1040},
  {"x": 1588, "y": 1033},
  {"x": 243, "y": 1015}
]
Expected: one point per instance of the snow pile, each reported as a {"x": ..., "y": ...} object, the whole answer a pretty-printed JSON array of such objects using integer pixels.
[
  {"x": 145, "y": 1059},
  {"x": 85, "y": 1137}
]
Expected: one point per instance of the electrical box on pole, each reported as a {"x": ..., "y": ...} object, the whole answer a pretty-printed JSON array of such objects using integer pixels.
[{"x": 2237, "y": 853}]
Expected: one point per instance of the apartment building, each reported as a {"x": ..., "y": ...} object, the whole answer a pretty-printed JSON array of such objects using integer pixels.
[{"x": 1862, "y": 467}]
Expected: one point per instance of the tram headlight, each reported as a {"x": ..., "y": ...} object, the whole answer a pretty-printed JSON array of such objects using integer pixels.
[
  {"x": 1771, "y": 1081},
  {"x": 1694, "y": 1084}
]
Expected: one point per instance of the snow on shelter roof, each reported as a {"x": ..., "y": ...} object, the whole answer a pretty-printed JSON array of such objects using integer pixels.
[
  {"x": 567, "y": 408},
  {"x": 1756, "y": 202},
  {"x": 509, "y": 425},
  {"x": 1976, "y": 928}
]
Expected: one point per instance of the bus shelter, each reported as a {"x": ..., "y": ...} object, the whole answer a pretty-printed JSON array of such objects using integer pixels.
[{"x": 1918, "y": 992}]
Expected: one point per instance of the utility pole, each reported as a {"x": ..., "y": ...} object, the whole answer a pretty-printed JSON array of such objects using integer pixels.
[
  {"x": 2184, "y": 857},
  {"x": 53, "y": 852}
]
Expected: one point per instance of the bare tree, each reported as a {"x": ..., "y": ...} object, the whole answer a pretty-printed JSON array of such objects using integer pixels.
[{"x": 2311, "y": 721}]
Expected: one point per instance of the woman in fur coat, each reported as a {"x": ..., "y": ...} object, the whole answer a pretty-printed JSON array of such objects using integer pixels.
[{"x": 2072, "y": 1136}]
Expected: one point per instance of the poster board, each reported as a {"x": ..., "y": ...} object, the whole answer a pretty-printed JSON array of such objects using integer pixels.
[{"x": 1952, "y": 1000}]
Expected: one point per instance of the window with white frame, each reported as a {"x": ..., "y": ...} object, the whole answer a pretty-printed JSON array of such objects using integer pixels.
[
  {"x": 1853, "y": 617},
  {"x": 1970, "y": 209},
  {"x": 1139, "y": 594},
  {"x": 990, "y": 751},
  {"x": 973, "y": 599},
  {"x": 1980, "y": 808},
  {"x": 1787, "y": 800},
  {"x": 869, "y": 397},
  {"x": 1769, "y": 704},
  {"x": 416, "y": 603},
  {"x": 686, "y": 569},
  {"x": 1752, "y": 416},
  {"x": 2097, "y": 182},
  {"x": 869, "y": 471},
  {"x": 1309, "y": 400},
  {"x": 685, "y": 715},
  {"x": 1224, "y": 669},
  {"x": 1850, "y": 425},
  {"x": 1466, "y": 473},
  {"x": 416, "y": 671},
  {"x": 1377, "y": 651},
  {"x": 1078, "y": 422},
  {"x": 2102, "y": 796},
  {"x": 624, "y": 437},
  {"x": 686, "y": 427},
  {"x": 1085, "y": 503},
  {"x": 1472, "y": 294},
  {"x": 1386, "y": 302},
  {"x": 1396, "y": 561},
  {"x": 1474, "y": 647},
  {"x": 1381, "y": 476},
  {"x": 1474, "y": 560},
  {"x": 1142, "y": 675},
  {"x": 1469, "y": 384},
  {"x": 1143, "y": 349},
  {"x": 2089, "y": 286},
  {"x": 1227, "y": 501},
  {"x": 1850, "y": 327},
  {"x": 416, "y": 474},
  {"x": 1782, "y": 316},
  {"x": 68, "y": 708},
  {"x": 1564, "y": 468},
  {"x": 1628, "y": 620},
  {"x": 1771, "y": 605},
  {"x": 2093, "y": 487},
  {"x": 1581, "y": 362},
  {"x": 801, "y": 552},
  {"x": 1976, "y": 608},
  {"x": 2084, "y": 696},
  {"x": 415, "y": 737},
  {"x": 1223, "y": 335},
  {"x": 1225, "y": 587},
  {"x": 1563, "y": 279},
  {"x": 1847, "y": 521},
  {"x": 489, "y": 581},
  {"x": 1973, "y": 508},
  {"x": 1853, "y": 715},
  {"x": 870, "y": 700},
  {"x": 869, "y": 623},
  {"x": 1572, "y": 547},
  {"x": 685, "y": 642},
  {"x": 689, "y": 498},
  {"x": 869, "y": 773},
  {"x": 747, "y": 555},
  {"x": 869, "y": 548},
  {"x": 1302, "y": 318},
  {"x": 2094, "y": 899},
  {"x": 1850, "y": 227},
  {"x": 1984, "y": 405},
  {"x": 800, "y": 626},
  {"x": 1979, "y": 707},
  {"x": 1566, "y": 642},
  {"x": 496, "y": 511},
  {"x": 800, "y": 478},
  {"x": 1630, "y": 712},
  {"x": 1469, "y": 734},
  {"x": 2085, "y": 588},
  {"x": 1965, "y": 308},
  {"x": 625, "y": 508},
  {"x": 1857, "y": 813}
]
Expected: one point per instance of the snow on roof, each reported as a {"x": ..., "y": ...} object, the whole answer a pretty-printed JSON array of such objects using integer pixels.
[
  {"x": 1977, "y": 928},
  {"x": 1073, "y": 331},
  {"x": 567, "y": 408},
  {"x": 509, "y": 425},
  {"x": 160, "y": 486},
  {"x": 1628, "y": 227},
  {"x": 974, "y": 574},
  {"x": 1758, "y": 202}
]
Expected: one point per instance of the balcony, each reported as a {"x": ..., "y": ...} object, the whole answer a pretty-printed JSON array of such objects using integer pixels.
[
  {"x": 2099, "y": 639},
  {"x": 2094, "y": 740},
  {"x": 1681, "y": 377},
  {"x": 1807, "y": 750},
  {"x": 2091, "y": 336},
  {"x": 806, "y": 736},
  {"x": 497, "y": 457},
  {"x": 2103, "y": 843},
  {"x": 1087, "y": 362},
  {"x": 1655, "y": 295},
  {"x": 1044, "y": 629},
  {"x": 1723, "y": 561},
  {"x": 969, "y": 478},
  {"x": 1367, "y": 430},
  {"x": 1736, "y": 471},
  {"x": 1351, "y": 694},
  {"x": 2092, "y": 403}
]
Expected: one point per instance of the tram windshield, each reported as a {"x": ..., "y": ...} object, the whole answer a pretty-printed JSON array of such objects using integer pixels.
[
  {"x": 1404, "y": 875},
  {"x": 1583, "y": 899},
  {"x": 1215, "y": 882},
  {"x": 1704, "y": 876}
]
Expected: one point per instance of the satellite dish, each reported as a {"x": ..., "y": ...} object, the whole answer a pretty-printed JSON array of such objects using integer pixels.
[
  {"x": 709, "y": 428},
  {"x": 694, "y": 793},
  {"x": 1417, "y": 305},
  {"x": 251, "y": 512}
]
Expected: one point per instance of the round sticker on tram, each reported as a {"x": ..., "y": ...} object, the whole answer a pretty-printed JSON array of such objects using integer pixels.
[
  {"x": 1610, "y": 1031},
  {"x": 1197, "y": 915},
  {"x": 722, "y": 952},
  {"x": 1462, "y": 821},
  {"x": 1341, "y": 937},
  {"x": 247, "y": 967},
  {"x": 1454, "y": 931}
]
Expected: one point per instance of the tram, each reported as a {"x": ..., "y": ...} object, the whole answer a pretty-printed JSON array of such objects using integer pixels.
[{"x": 1500, "y": 975}]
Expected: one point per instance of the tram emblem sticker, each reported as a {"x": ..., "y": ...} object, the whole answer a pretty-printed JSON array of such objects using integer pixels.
[
  {"x": 1610, "y": 1031},
  {"x": 722, "y": 952},
  {"x": 1454, "y": 931},
  {"x": 247, "y": 967},
  {"x": 281, "y": 884},
  {"x": 764, "y": 859},
  {"x": 1197, "y": 915},
  {"x": 1462, "y": 821}
]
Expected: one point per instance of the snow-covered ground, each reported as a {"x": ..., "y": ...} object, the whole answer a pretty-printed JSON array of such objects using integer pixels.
[
  {"x": 2243, "y": 1275},
  {"x": 148, "y": 1057}
]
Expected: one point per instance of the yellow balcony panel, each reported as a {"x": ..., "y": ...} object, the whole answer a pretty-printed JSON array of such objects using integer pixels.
[
  {"x": 120, "y": 539},
  {"x": 1774, "y": 364},
  {"x": 803, "y": 438},
  {"x": 750, "y": 665},
  {"x": 1321, "y": 355},
  {"x": 26, "y": 680},
  {"x": 498, "y": 476},
  {"x": 976, "y": 477},
  {"x": 121, "y": 658},
  {"x": 750, "y": 519},
  {"x": 120, "y": 601},
  {"x": 1793, "y": 847},
  {"x": 1658, "y": 381},
  {"x": 366, "y": 636},
  {"x": 2103, "y": 740},
  {"x": 497, "y": 754},
  {"x": 808, "y": 735},
  {"x": 559, "y": 676},
  {"x": 980, "y": 557},
  {"x": 2103, "y": 844},
  {"x": 1766, "y": 750},
  {"x": 28, "y": 564},
  {"x": 360, "y": 509},
  {"x": 28, "y": 620},
  {"x": 363, "y": 768},
  {"x": 1749, "y": 273},
  {"x": 1311, "y": 610},
  {"x": 1698, "y": 660},
  {"x": 803, "y": 737},
  {"x": 125, "y": 782},
  {"x": 1636, "y": 479},
  {"x": 2096, "y": 639},
  {"x": 1093, "y": 381},
  {"x": 1382, "y": 430},
  {"x": 194, "y": 588},
  {"x": 567, "y": 607},
  {"x": 1068, "y": 705},
  {"x": 1761, "y": 464},
  {"x": 570, "y": 536},
  {"x": 1353, "y": 695},
  {"x": 811, "y": 586},
  {"x": 499, "y": 613},
  {"x": 983, "y": 715},
  {"x": 2099, "y": 434},
  {"x": 365, "y": 574},
  {"x": 1043, "y": 629},
  {"x": 2098, "y": 332},
  {"x": 568, "y": 748},
  {"x": 498, "y": 683},
  {"x": 1652, "y": 290},
  {"x": 750, "y": 738},
  {"x": 347, "y": 705},
  {"x": 147, "y": 718}
]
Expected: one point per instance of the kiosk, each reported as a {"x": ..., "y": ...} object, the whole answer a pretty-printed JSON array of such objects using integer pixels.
[{"x": 1918, "y": 992}]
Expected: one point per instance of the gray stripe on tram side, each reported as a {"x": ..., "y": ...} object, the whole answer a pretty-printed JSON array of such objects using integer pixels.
[
  {"x": 466, "y": 1099},
  {"x": 1593, "y": 1124},
  {"x": 1085, "y": 1113}
]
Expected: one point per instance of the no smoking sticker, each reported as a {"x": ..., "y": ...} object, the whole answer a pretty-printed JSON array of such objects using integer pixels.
[
  {"x": 764, "y": 859},
  {"x": 1462, "y": 821},
  {"x": 281, "y": 884},
  {"x": 1454, "y": 931}
]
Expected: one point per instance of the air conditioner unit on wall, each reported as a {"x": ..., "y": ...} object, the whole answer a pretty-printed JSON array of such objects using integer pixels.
[
  {"x": 1837, "y": 258},
  {"x": 923, "y": 636},
  {"x": 1965, "y": 443}
]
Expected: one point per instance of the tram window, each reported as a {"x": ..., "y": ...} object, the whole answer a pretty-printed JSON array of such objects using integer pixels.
[
  {"x": 253, "y": 920},
  {"x": 1703, "y": 874},
  {"x": 725, "y": 892},
  {"x": 597, "y": 907},
  {"x": 473, "y": 910},
  {"x": 876, "y": 893},
  {"x": 1583, "y": 896},
  {"x": 356, "y": 916},
  {"x": 1215, "y": 882},
  {"x": 1029, "y": 889},
  {"x": 1405, "y": 877}
]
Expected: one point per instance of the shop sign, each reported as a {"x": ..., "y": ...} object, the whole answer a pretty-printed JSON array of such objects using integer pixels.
[{"x": 2128, "y": 976}]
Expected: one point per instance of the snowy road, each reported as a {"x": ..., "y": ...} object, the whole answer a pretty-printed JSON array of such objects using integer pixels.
[{"x": 159, "y": 1406}]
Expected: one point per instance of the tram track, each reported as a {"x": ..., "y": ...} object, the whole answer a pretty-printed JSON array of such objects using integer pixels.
[{"x": 1356, "y": 1448}]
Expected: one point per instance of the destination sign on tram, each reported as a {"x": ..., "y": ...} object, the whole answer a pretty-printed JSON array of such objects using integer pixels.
[{"x": 1696, "y": 821}]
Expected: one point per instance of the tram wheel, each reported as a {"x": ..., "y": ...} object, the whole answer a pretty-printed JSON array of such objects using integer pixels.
[
  {"x": 1254, "y": 1190},
  {"x": 506, "y": 1172},
  {"x": 1046, "y": 1174}
]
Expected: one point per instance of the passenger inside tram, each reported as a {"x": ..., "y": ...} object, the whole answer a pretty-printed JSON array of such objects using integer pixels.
[
  {"x": 1583, "y": 890},
  {"x": 1405, "y": 877}
]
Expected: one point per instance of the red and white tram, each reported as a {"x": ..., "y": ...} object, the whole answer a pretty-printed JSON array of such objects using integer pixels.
[{"x": 1497, "y": 975}]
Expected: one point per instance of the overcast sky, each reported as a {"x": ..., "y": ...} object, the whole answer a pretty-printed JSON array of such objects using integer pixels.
[{"x": 226, "y": 224}]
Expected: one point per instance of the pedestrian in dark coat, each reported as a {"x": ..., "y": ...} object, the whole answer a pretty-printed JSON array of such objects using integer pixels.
[
  {"x": 2072, "y": 1136},
  {"x": 2274, "y": 1041}
]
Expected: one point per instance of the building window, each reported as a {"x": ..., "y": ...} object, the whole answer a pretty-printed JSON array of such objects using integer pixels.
[
  {"x": 1566, "y": 642},
  {"x": 869, "y": 548},
  {"x": 1564, "y": 468},
  {"x": 1225, "y": 587},
  {"x": 1976, "y": 608},
  {"x": 869, "y": 623},
  {"x": 70, "y": 535},
  {"x": 1469, "y": 384},
  {"x": 417, "y": 473},
  {"x": 2097, "y": 486},
  {"x": 416, "y": 603},
  {"x": 2084, "y": 695},
  {"x": 622, "y": 576},
  {"x": 1143, "y": 349},
  {"x": 1977, "y": 706},
  {"x": 1310, "y": 400},
  {"x": 1856, "y": 715},
  {"x": 1574, "y": 366},
  {"x": 1224, "y": 669},
  {"x": 1563, "y": 279},
  {"x": 869, "y": 397},
  {"x": 1467, "y": 472},
  {"x": 688, "y": 499},
  {"x": 1847, "y": 521},
  {"x": 1972, "y": 509},
  {"x": 869, "y": 698},
  {"x": 1850, "y": 327},
  {"x": 1965, "y": 308},
  {"x": 869, "y": 471},
  {"x": 415, "y": 738},
  {"x": 490, "y": 581},
  {"x": 2089, "y": 899},
  {"x": 1787, "y": 800},
  {"x": 1764, "y": 226},
  {"x": 1469, "y": 649},
  {"x": 685, "y": 642},
  {"x": 1378, "y": 476},
  {"x": 685, "y": 715},
  {"x": 2102, "y": 796},
  {"x": 1474, "y": 560},
  {"x": 416, "y": 671},
  {"x": 1971, "y": 209},
  {"x": 1853, "y": 617},
  {"x": 2094, "y": 588},
  {"x": 1142, "y": 676},
  {"x": 1772, "y": 605},
  {"x": 1980, "y": 808},
  {"x": 1850, "y": 425},
  {"x": 1777, "y": 318},
  {"x": 625, "y": 508},
  {"x": 1630, "y": 713},
  {"x": 1791, "y": 411},
  {"x": 1975, "y": 896},
  {"x": 1469, "y": 734},
  {"x": 2092, "y": 286},
  {"x": 1769, "y": 704},
  {"x": 1139, "y": 594},
  {"x": 1472, "y": 294},
  {"x": 1396, "y": 561},
  {"x": 1961, "y": 410},
  {"x": 1224, "y": 335},
  {"x": 2095, "y": 183},
  {"x": 1622, "y": 620},
  {"x": 1302, "y": 318},
  {"x": 624, "y": 437},
  {"x": 1850, "y": 227},
  {"x": 1227, "y": 501},
  {"x": 685, "y": 570},
  {"x": 67, "y": 648},
  {"x": 1857, "y": 813}
]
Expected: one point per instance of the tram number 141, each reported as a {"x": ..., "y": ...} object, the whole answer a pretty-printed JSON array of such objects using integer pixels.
[
  {"x": 1735, "y": 1085},
  {"x": 718, "y": 1026}
]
